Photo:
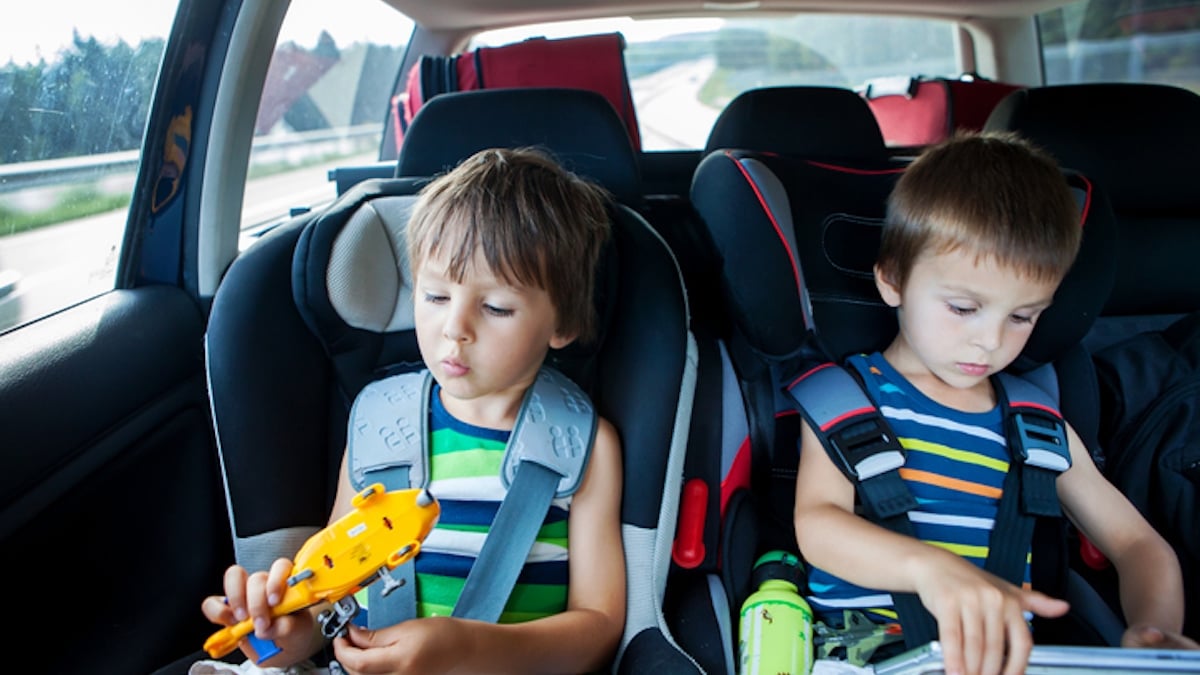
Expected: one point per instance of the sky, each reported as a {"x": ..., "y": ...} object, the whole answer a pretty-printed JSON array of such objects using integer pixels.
[{"x": 45, "y": 27}]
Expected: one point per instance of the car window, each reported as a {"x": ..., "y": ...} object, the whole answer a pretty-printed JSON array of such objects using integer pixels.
[
  {"x": 323, "y": 104},
  {"x": 76, "y": 80},
  {"x": 702, "y": 64},
  {"x": 1122, "y": 41}
]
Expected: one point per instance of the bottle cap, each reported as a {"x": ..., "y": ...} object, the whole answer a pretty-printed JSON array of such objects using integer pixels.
[{"x": 778, "y": 565}]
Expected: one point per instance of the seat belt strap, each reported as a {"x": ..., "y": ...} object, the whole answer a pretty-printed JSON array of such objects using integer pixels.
[
  {"x": 514, "y": 531},
  {"x": 1038, "y": 453},
  {"x": 545, "y": 458}
]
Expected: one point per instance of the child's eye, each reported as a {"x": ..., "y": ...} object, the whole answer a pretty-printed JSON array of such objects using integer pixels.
[
  {"x": 1017, "y": 318},
  {"x": 497, "y": 311},
  {"x": 961, "y": 311},
  {"x": 435, "y": 298}
]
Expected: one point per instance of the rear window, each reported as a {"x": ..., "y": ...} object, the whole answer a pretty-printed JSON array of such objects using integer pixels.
[{"x": 684, "y": 71}]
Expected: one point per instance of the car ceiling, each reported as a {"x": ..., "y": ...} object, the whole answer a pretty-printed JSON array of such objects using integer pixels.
[{"x": 463, "y": 15}]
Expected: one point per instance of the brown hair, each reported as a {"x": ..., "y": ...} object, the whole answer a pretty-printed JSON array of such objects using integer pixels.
[
  {"x": 992, "y": 193},
  {"x": 536, "y": 223}
]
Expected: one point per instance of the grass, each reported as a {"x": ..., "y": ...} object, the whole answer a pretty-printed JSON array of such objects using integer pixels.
[{"x": 71, "y": 205}]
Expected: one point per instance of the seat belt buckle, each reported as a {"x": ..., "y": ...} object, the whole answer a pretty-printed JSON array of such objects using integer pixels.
[
  {"x": 865, "y": 449},
  {"x": 1042, "y": 439}
]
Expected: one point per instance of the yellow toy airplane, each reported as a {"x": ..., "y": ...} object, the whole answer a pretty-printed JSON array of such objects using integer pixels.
[{"x": 382, "y": 532}]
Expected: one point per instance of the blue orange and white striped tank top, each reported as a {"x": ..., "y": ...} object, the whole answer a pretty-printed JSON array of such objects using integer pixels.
[{"x": 955, "y": 467}]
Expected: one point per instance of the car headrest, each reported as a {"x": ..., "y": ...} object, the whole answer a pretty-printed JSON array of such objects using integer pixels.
[
  {"x": 1136, "y": 140},
  {"x": 352, "y": 285},
  {"x": 815, "y": 122},
  {"x": 1083, "y": 292},
  {"x": 579, "y": 128},
  {"x": 799, "y": 238}
]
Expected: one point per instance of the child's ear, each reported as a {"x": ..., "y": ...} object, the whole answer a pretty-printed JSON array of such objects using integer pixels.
[
  {"x": 560, "y": 340},
  {"x": 888, "y": 290}
]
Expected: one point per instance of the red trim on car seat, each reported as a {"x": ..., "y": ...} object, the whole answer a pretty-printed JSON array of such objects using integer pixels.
[
  {"x": 1037, "y": 406},
  {"x": 738, "y": 476},
  {"x": 845, "y": 416},
  {"x": 858, "y": 172},
  {"x": 774, "y": 223},
  {"x": 810, "y": 371},
  {"x": 1087, "y": 201}
]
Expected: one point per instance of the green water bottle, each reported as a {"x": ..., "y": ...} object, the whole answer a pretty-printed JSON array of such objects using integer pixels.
[{"x": 775, "y": 630}]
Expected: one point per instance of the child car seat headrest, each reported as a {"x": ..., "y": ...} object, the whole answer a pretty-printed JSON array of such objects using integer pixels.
[
  {"x": 1138, "y": 143},
  {"x": 815, "y": 122},
  {"x": 580, "y": 128},
  {"x": 1084, "y": 290},
  {"x": 799, "y": 239},
  {"x": 1135, "y": 140}
]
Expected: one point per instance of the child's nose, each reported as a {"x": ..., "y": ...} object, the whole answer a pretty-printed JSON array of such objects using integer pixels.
[
  {"x": 457, "y": 326},
  {"x": 989, "y": 335}
]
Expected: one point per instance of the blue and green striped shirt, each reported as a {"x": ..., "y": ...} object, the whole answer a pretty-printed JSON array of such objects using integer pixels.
[
  {"x": 465, "y": 465},
  {"x": 464, "y": 468}
]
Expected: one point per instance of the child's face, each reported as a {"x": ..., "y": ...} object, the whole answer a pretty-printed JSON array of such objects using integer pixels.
[
  {"x": 483, "y": 336},
  {"x": 962, "y": 318}
]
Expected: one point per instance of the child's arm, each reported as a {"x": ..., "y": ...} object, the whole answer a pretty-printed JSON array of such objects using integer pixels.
[
  {"x": 582, "y": 639},
  {"x": 1151, "y": 583},
  {"x": 979, "y": 616}
]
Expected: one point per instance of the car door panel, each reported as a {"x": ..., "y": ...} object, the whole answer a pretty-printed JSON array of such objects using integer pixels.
[{"x": 112, "y": 501}]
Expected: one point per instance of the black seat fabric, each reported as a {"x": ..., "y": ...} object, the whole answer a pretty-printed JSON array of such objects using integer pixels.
[
  {"x": 571, "y": 122},
  {"x": 1138, "y": 142},
  {"x": 319, "y": 309},
  {"x": 825, "y": 122}
]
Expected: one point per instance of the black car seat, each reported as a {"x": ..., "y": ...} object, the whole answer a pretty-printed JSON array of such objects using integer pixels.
[
  {"x": 1137, "y": 142},
  {"x": 321, "y": 307},
  {"x": 796, "y": 226}
]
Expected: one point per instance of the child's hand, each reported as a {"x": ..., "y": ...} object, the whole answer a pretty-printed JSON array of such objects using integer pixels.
[
  {"x": 252, "y": 597},
  {"x": 980, "y": 617},
  {"x": 1151, "y": 637},
  {"x": 420, "y": 646}
]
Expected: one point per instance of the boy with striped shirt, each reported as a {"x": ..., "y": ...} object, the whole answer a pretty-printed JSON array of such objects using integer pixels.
[
  {"x": 980, "y": 231},
  {"x": 503, "y": 251}
]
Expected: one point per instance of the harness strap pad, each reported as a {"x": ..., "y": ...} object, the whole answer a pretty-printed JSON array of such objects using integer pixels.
[
  {"x": 1039, "y": 427},
  {"x": 849, "y": 425},
  {"x": 555, "y": 428},
  {"x": 388, "y": 432}
]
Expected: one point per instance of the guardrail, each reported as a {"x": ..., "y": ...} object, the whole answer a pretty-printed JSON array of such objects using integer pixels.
[{"x": 25, "y": 175}]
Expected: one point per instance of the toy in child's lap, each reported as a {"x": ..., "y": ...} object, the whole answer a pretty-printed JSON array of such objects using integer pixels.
[{"x": 383, "y": 531}]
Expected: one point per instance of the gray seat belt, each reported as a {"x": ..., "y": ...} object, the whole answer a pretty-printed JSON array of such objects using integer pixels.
[{"x": 545, "y": 459}]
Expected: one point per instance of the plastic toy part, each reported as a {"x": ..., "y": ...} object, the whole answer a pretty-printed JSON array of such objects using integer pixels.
[{"x": 383, "y": 531}]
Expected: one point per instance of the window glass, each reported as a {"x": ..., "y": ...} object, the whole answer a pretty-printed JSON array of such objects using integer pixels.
[
  {"x": 323, "y": 105},
  {"x": 76, "y": 79},
  {"x": 1122, "y": 41},
  {"x": 683, "y": 72}
]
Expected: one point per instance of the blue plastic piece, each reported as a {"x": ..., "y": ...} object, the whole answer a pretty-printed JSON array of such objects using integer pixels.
[{"x": 264, "y": 648}]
